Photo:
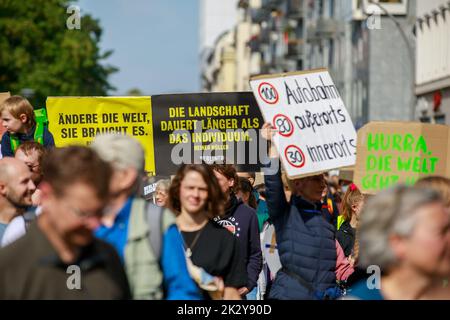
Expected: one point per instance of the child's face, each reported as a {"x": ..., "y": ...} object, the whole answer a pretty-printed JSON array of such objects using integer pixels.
[
  {"x": 357, "y": 207},
  {"x": 11, "y": 124}
]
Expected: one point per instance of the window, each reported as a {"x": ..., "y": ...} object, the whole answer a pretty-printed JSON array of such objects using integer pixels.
[{"x": 396, "y": 7}]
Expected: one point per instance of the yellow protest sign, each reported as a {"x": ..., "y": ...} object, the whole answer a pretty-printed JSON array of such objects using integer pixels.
[{"x": 77, "y": 120}]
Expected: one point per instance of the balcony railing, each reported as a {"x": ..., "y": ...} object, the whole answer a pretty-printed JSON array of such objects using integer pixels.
[
  {"x": 295, "y": 9},
  {"x": 295, "y": 50}
]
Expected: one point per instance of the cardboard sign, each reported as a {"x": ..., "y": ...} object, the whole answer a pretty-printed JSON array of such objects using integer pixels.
[
  {"x": 207, "y": 127},
  {"x": 400, "y": 152},
  {"x": 3, "y": 97},
  {"x": 77, "y": 120},
  {"x": 315, "y": 131}
]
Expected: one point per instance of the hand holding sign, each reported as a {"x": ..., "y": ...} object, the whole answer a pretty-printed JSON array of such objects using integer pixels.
[
  {"x": 268, "y": 132},
  {"x": 315, "y": 131}
]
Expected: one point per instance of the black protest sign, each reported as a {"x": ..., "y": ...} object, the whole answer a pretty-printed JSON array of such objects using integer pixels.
[{"x": 207, "y": 128}]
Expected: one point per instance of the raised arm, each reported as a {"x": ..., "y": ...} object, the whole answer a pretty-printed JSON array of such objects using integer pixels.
[{"x": 275, "y": 196}]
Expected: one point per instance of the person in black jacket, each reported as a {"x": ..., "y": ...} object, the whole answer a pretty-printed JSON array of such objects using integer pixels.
[
  {"x": 242, "y": 221},
  {"x": 351, "y": 207}
]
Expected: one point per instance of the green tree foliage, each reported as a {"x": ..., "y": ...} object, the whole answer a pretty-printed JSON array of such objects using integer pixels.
[
  {"x": 38, "y": 51},
  {"x": 134, "y": 92}
]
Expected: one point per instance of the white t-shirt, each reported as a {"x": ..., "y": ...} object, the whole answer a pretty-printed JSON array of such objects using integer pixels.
[{"x": 16, "y": 229}]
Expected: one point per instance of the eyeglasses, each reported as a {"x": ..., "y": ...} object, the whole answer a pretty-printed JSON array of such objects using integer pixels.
[
  {"x": 85, "y": 214},
  {"x": 32, "y": 167}
]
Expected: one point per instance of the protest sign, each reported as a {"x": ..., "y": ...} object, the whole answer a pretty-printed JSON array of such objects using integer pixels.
[
  {"x": 3, "y": 97},
  {"x": 315, "y": 131},
  {"x": 400, "y": 152},
  {"x": 270, "y": 250},
  {"x": 77, "y": 120},
  {"x": 206, "y": 127},
  {"x": 347, "y": 173}
]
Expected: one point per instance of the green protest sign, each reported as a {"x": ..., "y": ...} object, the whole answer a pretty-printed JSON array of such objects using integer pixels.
[{"x": 400, "y": 152}]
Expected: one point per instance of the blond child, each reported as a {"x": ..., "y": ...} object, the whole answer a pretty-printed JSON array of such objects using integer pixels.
[
  {"x": 18, "y": 118},
  {"x": 350, "y": 208}
]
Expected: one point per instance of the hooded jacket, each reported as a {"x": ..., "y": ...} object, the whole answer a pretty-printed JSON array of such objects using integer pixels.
[
  {"x": 241, "y": 220},
  {"x": 346, "y": 237}
]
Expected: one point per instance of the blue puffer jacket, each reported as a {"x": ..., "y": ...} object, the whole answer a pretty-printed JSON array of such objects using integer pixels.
[{"x": 306, "y": 245}]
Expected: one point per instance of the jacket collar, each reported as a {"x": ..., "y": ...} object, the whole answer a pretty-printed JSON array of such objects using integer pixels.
[
  {"x": 233, "y": 204},
  {"x": 302, "y": 203}
]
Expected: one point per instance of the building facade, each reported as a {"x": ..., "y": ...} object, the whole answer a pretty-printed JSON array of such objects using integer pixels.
[
  {"x": 433, "y": 61},
  {"x": 368, "y": 49},
  {"x": 230, "y": 63}
]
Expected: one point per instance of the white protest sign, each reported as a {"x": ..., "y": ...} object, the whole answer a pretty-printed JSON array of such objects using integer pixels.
[
  {"x": 315, "y": 131},
  {"x": 270, "y": 250},
  {"x": 149, "y": 189}
]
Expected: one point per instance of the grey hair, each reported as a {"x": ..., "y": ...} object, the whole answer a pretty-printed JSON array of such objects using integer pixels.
[
  {"x": 120, "y": 150},
  {"x": 163, "y": 184},
  {"x": 391, "y": 212}
]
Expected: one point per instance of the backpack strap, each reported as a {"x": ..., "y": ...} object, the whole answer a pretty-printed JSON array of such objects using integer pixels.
[
  {"x": 154, "y": 220},
  {"x": 38, "y": 137},
  {"x": 39, "y": 133},
  {"x": 14, "y": 141}
]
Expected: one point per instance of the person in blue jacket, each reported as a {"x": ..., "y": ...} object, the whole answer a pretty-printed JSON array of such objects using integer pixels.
[
  {"x": 18, "y": 118},
  {"x": 126, "y": 227},
  {"x": 306, "y": 241}
]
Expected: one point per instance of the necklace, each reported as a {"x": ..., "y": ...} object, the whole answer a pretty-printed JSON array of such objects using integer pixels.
[{"x": 193, "y": 243}]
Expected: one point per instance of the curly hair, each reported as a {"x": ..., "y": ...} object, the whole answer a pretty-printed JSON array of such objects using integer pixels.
[
  {"x": 246, "y": 187},
  {"x": 351, "y": 197},
  {"x": 439, "y": 184},
  {"x": 229, "y": 171},
  {"x": 215, "y": 202},
  {"x": 390, "y": 212}
]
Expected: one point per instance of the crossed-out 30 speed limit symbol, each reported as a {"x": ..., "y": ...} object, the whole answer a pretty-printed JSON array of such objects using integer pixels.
[
  {"x": 294, "y": 155},
  {"x": 283, "y": 124}
]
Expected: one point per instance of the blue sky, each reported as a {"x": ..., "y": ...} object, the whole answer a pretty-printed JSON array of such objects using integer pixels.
[{"x": 155, "y": 43}]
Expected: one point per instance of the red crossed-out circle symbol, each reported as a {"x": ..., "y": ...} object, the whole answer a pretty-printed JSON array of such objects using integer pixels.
[
  {"x": 268, "y": 93},
  {"x": 283, "y": 124},
  {"x": 294, "y": 155}
]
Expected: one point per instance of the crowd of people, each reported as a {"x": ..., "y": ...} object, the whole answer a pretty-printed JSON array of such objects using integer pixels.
[{"x": 73, "y": 225}]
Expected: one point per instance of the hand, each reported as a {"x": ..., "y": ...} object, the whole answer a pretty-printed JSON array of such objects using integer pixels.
[
  {"x": 219, "y": 283},
  {"x": 243, "y": 291},
  {"x": 351, "y": 260},
  {"x": 268, "y": 131}
]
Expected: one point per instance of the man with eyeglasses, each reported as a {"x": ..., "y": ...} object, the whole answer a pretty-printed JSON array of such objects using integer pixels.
[{"x": 59, "y": 257}]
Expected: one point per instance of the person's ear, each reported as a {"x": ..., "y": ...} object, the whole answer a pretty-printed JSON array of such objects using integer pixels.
[
  {"x": 231, "y": 183},
  {"x": 46, "y": 190},
  {"x": 398, "y": 246},
  {"x": 23, "y": 118},
  {"x": 129, "y": 177},
  {"x": 297, "y": 183},
  {"x": 3, "y": 189}
]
